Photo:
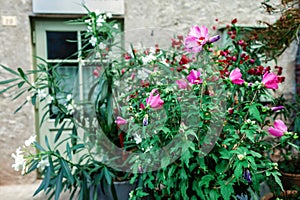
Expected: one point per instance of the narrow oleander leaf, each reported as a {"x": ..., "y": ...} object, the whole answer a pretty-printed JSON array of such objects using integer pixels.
[
  {"x": 9, "y": 70},
  {"x": 59, "y": 132},
  {"x": 67, "y": 171},
  {"x": 20, "y": 107},
  {"x": 47, "y": 142},
  {"x": 23, "y": 75},
  {"x": 58, "y": 187},
  {"x": 8, "y": 81}
]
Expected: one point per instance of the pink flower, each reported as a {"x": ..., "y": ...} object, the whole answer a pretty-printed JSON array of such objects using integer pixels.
[
  {"x": 194, "y": 77},
  {"x": 276, "y": 108},
  {"x": 154, "y": 101},
  {"x": 270, "y": 80},
  {"x": 279, "y": 128},
  {"x": 96, "y": 71},
  {"x": 197, "y": 38},
  {"x": 236, "y": 77},
  {"x": 120, "y": 121},
  {"x": 182, "y": 84}
]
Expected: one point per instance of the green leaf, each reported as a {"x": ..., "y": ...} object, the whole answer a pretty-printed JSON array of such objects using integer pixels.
[
  {"x": 107, "y": 175},
  {"x": 23, "y": 75},
  {"x": 254, "y": 112},
  {"x": 59, "y": 132},
  {"x": 255, "y": 154},
  {"x": 37, "y": 145},
  {"x": 8, "y": 88},
  {"x": 58, "y": 187},
  {"x": 9, "y": 70},
  {"x": 205, "y": 180},
  {"x": 226, "y": 191},
  {"x": 214, "y": 194},
  {"x": 20, "y": 107},
  {"x": 47, "y": 142},
  {"x": 277, "y": 180},
  {"x": 8, "y": 81},
  {"x": 68, "y": 150},
  {"x": 67, "y": 171}
]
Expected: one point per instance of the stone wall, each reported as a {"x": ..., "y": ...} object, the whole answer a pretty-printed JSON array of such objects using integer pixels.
[{"x": 174, "y": 15}]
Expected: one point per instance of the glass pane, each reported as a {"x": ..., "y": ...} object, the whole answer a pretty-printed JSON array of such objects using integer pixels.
[
  {"x": 61, "y": 45},
  {"x": 68, "y": 73},
  {"x": 89, "y": 79}
]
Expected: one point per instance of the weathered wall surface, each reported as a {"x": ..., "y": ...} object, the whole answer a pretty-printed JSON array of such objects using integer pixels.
[
  {"x": 174, "y": 15},
  {"x": 15, "y": 52}
]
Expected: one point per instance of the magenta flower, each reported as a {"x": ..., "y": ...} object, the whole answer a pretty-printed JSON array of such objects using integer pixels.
[
  {"x": 182, "y": 84},
  {"x": 279, "y": 128},
  {"x": 120, "y": 121},
  {"x": 197, "y": 38},
  {"x": 270, "y": 80},
  {"x": 236, "y": 77},
  {"x": 194, "y": 77},
  {"x": 276, "y": 108},
  {"x": 154, "y": 101}
]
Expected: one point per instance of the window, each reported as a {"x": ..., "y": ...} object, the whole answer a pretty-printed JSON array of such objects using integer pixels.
[{"x": 58, "y": 43}]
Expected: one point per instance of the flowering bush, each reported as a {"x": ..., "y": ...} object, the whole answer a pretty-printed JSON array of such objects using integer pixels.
[{"x": 186, "y": 122}]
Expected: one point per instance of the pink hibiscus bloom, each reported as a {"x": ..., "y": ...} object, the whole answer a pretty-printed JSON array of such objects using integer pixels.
[
  {"x": 120, "y": 121},
  {"x": 154, "y": 101},
  {"x": 197, "y": 38},
  {"x": 279, "y": 128},
  {"x": 236, "y": 77},
  {"x": 270, "y": 80},
  {"x": 194, "y": 77},
  {"x": 182, "y": 84}
]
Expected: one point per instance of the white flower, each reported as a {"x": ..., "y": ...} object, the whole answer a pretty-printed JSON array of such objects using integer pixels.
[
  {"x": 116, "y": 26},
  {"x": 108, "y": 15},
  {"x": 19, "y": 160},
  {"x": 42, "y": 94},
  {"x": 42, "y": 164},
  {"x": 93, "y": 41},
  {"x": 137, "y": 138},
  {"x": 70, "y": 108},
  {"x": 30, "y": 141},
  {"x": 69, "y": 97},
  {"x": 100, "y": 20},
  {"x": 147, "y": 59}
]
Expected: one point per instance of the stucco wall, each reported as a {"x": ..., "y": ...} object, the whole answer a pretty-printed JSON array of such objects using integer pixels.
[
  {"x": 15, "y": 52},
  {"x": 174, "y": 15}
]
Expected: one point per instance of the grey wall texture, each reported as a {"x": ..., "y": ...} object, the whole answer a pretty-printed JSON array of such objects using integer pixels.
[{"x": 174, "y": 15}]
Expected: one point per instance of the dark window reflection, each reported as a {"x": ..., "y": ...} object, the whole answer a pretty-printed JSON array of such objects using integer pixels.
[{"x": 61, "y": 45}]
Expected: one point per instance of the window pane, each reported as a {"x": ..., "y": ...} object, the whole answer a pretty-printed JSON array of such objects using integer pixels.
[
  {"x": 61, "y": 45},
  {"x": 67, "y": 79}
]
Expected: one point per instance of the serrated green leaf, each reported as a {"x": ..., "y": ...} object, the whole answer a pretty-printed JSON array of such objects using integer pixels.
[
  {"x": 254, "y": 112},
  {"x": 226, "y": 191},
  {"x": 205, "y": 180},
  {"x": 277, "y": 180}
]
